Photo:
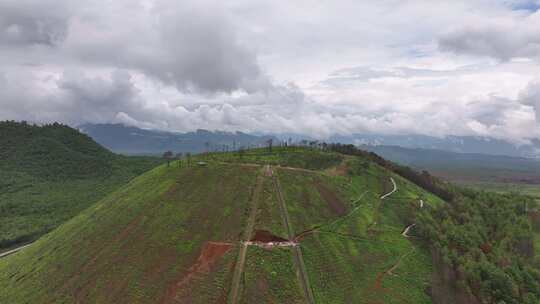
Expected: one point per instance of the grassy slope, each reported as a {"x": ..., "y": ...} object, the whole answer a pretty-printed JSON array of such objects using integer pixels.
[
  {"x": 270, "y": 277},
  {"x": 347, "y": 259},
  {"x": 49, "y": 174},
  {"x": 138, "y": 244}
]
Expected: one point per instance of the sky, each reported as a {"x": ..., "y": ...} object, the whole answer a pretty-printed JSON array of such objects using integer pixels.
[{"x": 317, "y": 68}]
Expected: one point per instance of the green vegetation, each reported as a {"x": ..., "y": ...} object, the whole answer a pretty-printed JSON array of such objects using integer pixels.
[
  {"x": 163, "y": 236},
  {"x": 173, "y": 235},
  {"x": 298, "y": 157},
  {"x": 268, "y": 216},
  {"x": 49, "y": 174},
  {"x": 353, "y": 248},
  {"x": 487, "y": 242},
  {"x": 269, "y": 275},
  {"x": 532, "y": 190}
]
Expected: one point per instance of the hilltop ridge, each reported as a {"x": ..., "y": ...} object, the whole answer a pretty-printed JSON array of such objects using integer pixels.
[{"x": 50, "y": 173}]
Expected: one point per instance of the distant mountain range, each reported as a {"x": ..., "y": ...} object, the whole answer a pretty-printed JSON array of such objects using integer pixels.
[
  {"x": 454, "y": 158},
  {"x": 464, "y": 166},
  {"x": 131, "y": 140},
  {"x": 459, "y": 144}
]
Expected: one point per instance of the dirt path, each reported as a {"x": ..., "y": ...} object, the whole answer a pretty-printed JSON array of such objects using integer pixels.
[
  {"x": 376, "y": 212},
  {"x": 297, "y": 251},
  {"x": 239, "y": 267},
  {"x": 395, "y": 266},
  {"x": 299, "y": 169},
  {"x": 342, "y": 218},
  {"x": 393, "y": 190},
  {"x": 12, "y": 251},
  {"x": 405, "y": 232}
]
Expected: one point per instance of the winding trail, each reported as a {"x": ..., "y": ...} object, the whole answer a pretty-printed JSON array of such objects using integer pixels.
[
  {"x": 405, "y": 232},
  {"x": 240, "y": 262},
  {"x": 318, "y": 228},
  {"x": 391, "y": 192},
  {"x": 12, "y": 251},
  {"x": 297, "y": 251},
  {"x": 389, "y": 271}
]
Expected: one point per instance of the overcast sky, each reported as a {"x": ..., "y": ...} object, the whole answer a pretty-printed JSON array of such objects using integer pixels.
[{"x": 312, "y": 67}]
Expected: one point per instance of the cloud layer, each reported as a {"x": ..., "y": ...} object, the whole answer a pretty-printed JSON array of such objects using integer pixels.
[{"x": 340, "y": 67}]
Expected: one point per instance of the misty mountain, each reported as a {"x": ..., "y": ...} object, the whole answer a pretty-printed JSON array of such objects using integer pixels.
[
  {"x": 132, "y": 140},
  {"x": 459, "y": 144}
]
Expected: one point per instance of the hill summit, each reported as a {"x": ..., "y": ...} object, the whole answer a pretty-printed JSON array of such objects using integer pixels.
[
  {"x": 50, "y": 173},
  {"x": 290, "y": 226}
]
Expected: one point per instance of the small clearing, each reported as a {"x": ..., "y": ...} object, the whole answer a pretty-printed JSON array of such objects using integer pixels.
[{"x": 263, "y": 236}]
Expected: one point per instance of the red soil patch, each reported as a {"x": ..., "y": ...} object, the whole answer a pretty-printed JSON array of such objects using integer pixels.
[
  {"x": 333, "y": 201},
  {"x": 339, "y": 170},
  {"x": 263, "y": 236},
  {"x": 209, "y": 255},
  {"x": 128, "y": 229},
  {"x": 378, "y": 290},
  {"x": 534, "y": 217}
]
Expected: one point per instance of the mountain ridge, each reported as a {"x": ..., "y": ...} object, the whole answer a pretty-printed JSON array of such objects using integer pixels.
[{"x": 132, "y": 140}]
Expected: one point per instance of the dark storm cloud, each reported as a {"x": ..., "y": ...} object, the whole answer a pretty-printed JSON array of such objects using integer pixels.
[
  {"x": 98, "y": 98},
  {"x": 202, "y": 51},
  {"x": 192, "y": 45},
  {"x": 531, "y": 96},
  {"x": 79, "y": 98},
  {"x": 29, "y": 23},
  {"x": 500, "y": 40}
]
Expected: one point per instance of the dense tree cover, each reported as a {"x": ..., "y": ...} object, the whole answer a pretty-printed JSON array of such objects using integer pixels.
[
  {"x": 50, "y": 173},
  {"x": 53, "y": 151},
  {"x": 484, "y": 238},
  {"x": 487, "y": 240}
]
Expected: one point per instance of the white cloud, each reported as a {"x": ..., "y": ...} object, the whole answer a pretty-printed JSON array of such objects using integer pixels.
[{"x": 336, "y": 67}]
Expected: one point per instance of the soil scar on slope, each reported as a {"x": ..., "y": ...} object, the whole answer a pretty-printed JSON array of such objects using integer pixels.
[
  {"x": 209, "y": 255},
  {"x": 334, "y": 202},
  {"x": 239, "y": 267},
  {"x": 263, "y": 236}
]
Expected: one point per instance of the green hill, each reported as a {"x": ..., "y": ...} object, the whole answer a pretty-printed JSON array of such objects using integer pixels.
[
  {"x": 50, "y": 173},
  {"x": 289, "y": 226}
]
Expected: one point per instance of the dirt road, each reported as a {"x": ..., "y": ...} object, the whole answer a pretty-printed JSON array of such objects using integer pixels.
[
  {"x": 5, "y": 254},
  {"x": 240, "y": 262},
  {"x": 393, "y": 190},
  {"x": 406, "y": 231},
  {"x": 297, "y": 251}
]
